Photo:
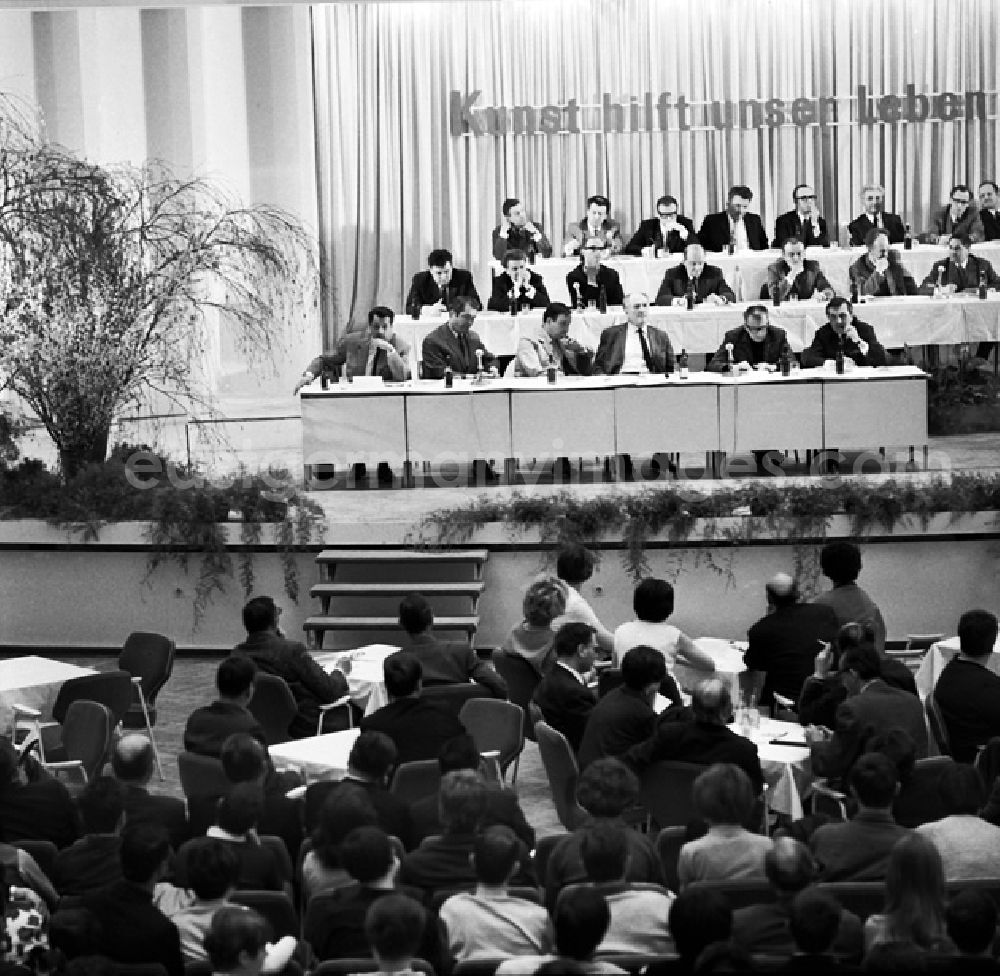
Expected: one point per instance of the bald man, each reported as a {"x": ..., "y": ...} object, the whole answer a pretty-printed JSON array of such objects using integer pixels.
[
  {"x": 784, "y": 642},
  {"x": 708, "y": 281},
  {"x": 704, "y": 738},
  {"x": 132, "y": 764}
]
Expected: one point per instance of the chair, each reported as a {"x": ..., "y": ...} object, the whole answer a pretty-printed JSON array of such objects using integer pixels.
[
  {"x": 562, "y": 772},
  {"x": 275, "y": 907},
  {"x": 669, "y": 842},
  {"x": 864, "y": 898},
  {"x": 416, "y": 780},
  {"x": 86, "y": 739},
  {"x": 280, "y": 851},
  {"x": 665, "y": 791},
  {"x": 43, "y": 851},
  {"x": 344, "y": 967},
  {"x": 149, "y": 659},
  {"x": 741, "y": 892},
  {"x": 499, "y": 725},
  {"x": 522, "y": 680},
  {"x": 274, "y": 706},
  {"x": 202, "y": 776},
  {"x": 935, "y": 721},
  {"x": 343, "y": 702},
  {"x": 477, "y": 967},
  {"x": 827, "y": 800},
  {"x": 456, "y": 695}
]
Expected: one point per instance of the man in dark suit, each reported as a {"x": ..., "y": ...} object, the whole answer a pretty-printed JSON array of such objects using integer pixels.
[
  {"x": 597, "y": 223},
  {"x": 784, "y": 643},
  {"x": 734, "y": 227},
  {"x": 563, "y": 694},
  {"x": 454, "y": 344},
  {"x": 634, "y": 346},
  {"x": 794, "y": 276},
  {"x": 880, "y": 272},
  {"x": 874, "y": 218},
  {"x": 437, "y": 286},
  {"x": 919, "y": 799},
  {"x": 701, "y": 737},
  {"x": 960, "y": 216},
  {"x": 625, "y": 716},
  {"x": 988, "y": 210},
  {"x": 843, "y": 330},
  {"x": 707, "y": 280},
  {"x": 418, "y": 726},
  {"x": 208, "y": 727},
  {"x": 442, "y": 662},
  {"x": 517, "y": 285},
  {"x": 132, "y": 763},
  {"x": 669, "y": 232},
  {"x": 585, "y": 281},
  {"x": 968, "y": 692},
  {"x": 516, "y": 232},
  {"x": 960, "y": 271},
  {"x": 756, "y": 341},
  {"x": 267, "y": 647},
  {"x": 33, "y": 804},
  {"x": 93, "y": 861},
  {"x": 803, "y": 222}
]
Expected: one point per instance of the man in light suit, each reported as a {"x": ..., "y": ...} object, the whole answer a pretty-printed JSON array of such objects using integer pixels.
[
  {"x": 548, "y": 344},
  {"x": 734, "y": 226},
  {"x": 804, "y": 221},
  {"x": 873, "y": 217},
  {"x": 961, "y": 216},
  {"x": 634, "y": 346},
  {"x": 668, "y": 231},
  {"x": 709, "y": 283},
  {"x": 880, "y": 272},
  {"x": 597, "y": 223},
  {"x": 795, "y": 276}
]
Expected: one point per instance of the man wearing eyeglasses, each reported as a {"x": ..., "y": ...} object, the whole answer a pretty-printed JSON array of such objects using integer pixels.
[
  {"x": 960, "y": 271},
  {"x": 669, "y": 231},
  {"x": 755, "y": 342},
  {"x": 961, "y": 216},
  {"x": 874, "y": 217},
  {"x": 705, "y": 280},
  {"x": 803, "y": 222},
  {"x": 795, "y": 277}
]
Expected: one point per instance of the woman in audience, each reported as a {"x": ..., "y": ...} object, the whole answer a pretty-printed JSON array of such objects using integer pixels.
[
  {"x": 914, "y": 898},
  {"x": 342, "y": 811},
  {"x": 395, "y": 927},
  {"x": 532, "y": 638},
  {"x": 653, "y": 603},
  {"x": 724, "y": 798}
]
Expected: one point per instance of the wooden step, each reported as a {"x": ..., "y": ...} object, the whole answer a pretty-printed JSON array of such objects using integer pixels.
[
  {"x": 326, "y": 590},
  {"x": 320, "y": 625},
  {"x": 478, "y": 556}
]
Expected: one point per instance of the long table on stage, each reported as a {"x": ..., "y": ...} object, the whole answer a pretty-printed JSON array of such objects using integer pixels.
[{"x": 603, "y": 416}]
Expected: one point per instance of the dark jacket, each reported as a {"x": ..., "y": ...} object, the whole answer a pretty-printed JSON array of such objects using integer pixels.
[
  {"x": 714, "y": 234},
  {"x": 519, "y": 239},
  {"x": 968, "y": 696},
  {"x": 566, "y": 703},
  {"x": 774, "y": 341},
  {"x": 418, "y": 726},
  {"x": 991, "y": 224},
  {"x": 41, "y": 810},
  {"x": 502, "y": 808},
  {"x": 825, "y": 343},
  {"x": 611, "y": 350},
  {"x": 621, "y": 719},
  {"x": 208, "y": 727},
  {"x": 169, "y": 812},
  {"x": 88, "y": 864},
  {"x": 503, "y": 285},
  {"x": 892, "y": 224},
  {"x": 804, "y": 285},
  {"x": 614, "y": 294},
  {"x": 711, "y": 281},
  {"x": 394, "y": 816},
  {"x": 447, "y": 663},
  {"x": 765, "y": 929},
  {"x": 424, "y": 289},
  {"x": 964, "y": 279},
  {"x": 648, "y": 234},
  {"x": 896, "y": 280},
  {"x": 442, "y": 348},
  {"x": 790, "y": 224},
  {"x": 353, "y": 350},
  {"x": 857, "y": 850},
  {"x": 969, "y": 223},
  {"x": 444, "y": 862}
]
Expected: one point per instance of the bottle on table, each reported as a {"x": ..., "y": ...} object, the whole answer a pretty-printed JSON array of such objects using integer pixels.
[
  {"x": 776, "y": 294},
  {"x": 513, "y": 301},
  {"x": 982, "y": 284},
  {"x": 939, "y": 287},
  {"x": 785, "y": 360},
  {"x": 414, "y": 310},
  {"x": 449, "y": 375},
  {"x": 689, "y": 295},
  {"x": 908, "y": 239},
  {"x": 732, "y": 243},
  {"x": 682, "y": 364},
  {"x": 602, "y": 300},
  {"x": 854, "y": 291},
  {"x": 840, "y": 356}
]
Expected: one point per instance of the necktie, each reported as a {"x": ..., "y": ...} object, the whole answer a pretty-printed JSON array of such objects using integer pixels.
[
  {"x": 466, "y": 350},
  {"x": 556, "y": 358},
  {"x": 375, "y": 368},
  {"x": 646, "y": 355},
  {"x": 444, "y": 294}
]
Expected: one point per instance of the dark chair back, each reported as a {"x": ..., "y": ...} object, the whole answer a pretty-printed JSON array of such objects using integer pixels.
[
  {"x": 456, "y": 695},
  {"x": 740, "y": 893},
  {"x": 112, "y": 689},
  {"x": 86, "y": 735},
  {"x": 495, "y": 725},
  {"x": 665, "y": 791},
  {"x": 563, "y": 773},
  {"x": 201, "y": 776},
  {"x": 416, "y": 780},
  {"x": 43, "y": 851},
  {"x": 522, "y": 680},
  {"x": 149, "y": 657},
  {"x": 544, "y": 846},
  {"x": 864, "y": 898},
  {"x": 275, "y": 907},
  {"x": 274, "y": 706},
  {"x": 935, "y": 721},
  {"x": 669, "y": 842}
]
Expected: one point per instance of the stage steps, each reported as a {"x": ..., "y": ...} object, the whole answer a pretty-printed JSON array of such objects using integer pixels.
[{"x": 352, "y": 580}]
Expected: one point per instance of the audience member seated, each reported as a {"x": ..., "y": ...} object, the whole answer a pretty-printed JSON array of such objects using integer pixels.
[
  {"x": 968, "y": 692},
  {"x": 874, "y": 217},
  {"x": 734, "y": 228},
  {"x": 542, "y": 347},
  {"x": 653, "y": 604},
  {"x": 782, "y": 644},
  {"x": 585, "y": 281},
  {"x": 699, "y": 917},
  {"x": 574, "y": 566},
  {"x": 445, "y": 861},
  {"x": 132, "y": 929},
  {"x": 516, "y": 231},
  {"x": 580, "y": 919},
  {"x": 342, "y": 812},
  {"x": 394, "y": 927},
  {"x": 872, "y": 706},
  {"x": 638, "y": 911},
  {"x": 625, "y": 715},
  {"x": 961, "y": 216},
  {"x": 840, "y": 563},
  {"x": 563, "y": 695},
  {"x": 768, "y": 928},
  {"x": 443, "y": 663},
  {"x": 705, "y": 738},
  {"x": 988, "y": 202},
  {"x": 454, "y": 344},
  {"x": 518, "y": 285},
  {"x": 607, "y": 788},
  {"x": 596, "y": 223},
  {"x": 914, "y": 898},
  {"x": 815, "y": 920},
  {"x": 794, "y": 277},
  {"x": 533, "y": 638},
  {"x": 971, "y": 922},
  {"x": 490, "y": 923},
  {"x": 208, "y": 727},
  {"x": 704, "y": 281},
  {"x": 433, "y": 289},
  {"x": 370, "y": 764},
  {"x": 33, "y": 804},
  {"x": 724, "y": 799},
  {"x": 919, "y": 799},
  {"x": 754, "y": 343},
  {"x": 881, "y": 273},
  {"x": 634, "y": 346},
  {"x": 236, "y": 944},
  {"x": 669, "y": 232},
  {"x": 804, "y": 222},
  {"x": 267, "y": 647},
  {"x": 502, "y": 806},
  {"x": 858, "y": 850},
  {"x": 93, "y": 861},
  {"x": 418, "y": 726},
  {"x": 968, "y": 845},
  {"x": 844, "y": 332},
  {"x": 960, "y": 272},
  {"x": 335, "y": 921}
]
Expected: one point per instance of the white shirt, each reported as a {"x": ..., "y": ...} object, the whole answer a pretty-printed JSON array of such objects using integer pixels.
[
  {"x": 738, "y": 233},
  {"x": 577, "y": 611},
  {"x": 634, "y": 361},
  {"x": 662, "y": 636}
]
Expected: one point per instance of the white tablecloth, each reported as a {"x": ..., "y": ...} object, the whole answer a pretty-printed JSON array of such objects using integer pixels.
[
  {"x": 318, "y": 757},
  {"x": 33, "y": 681},
  {"x": 937, "y": 656},
  {"x": 785, "y": 763},
  {"x": 366, "y": 680}
]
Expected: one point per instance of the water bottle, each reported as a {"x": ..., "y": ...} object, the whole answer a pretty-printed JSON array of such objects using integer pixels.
[
  {"x": 449, "y": 375},
  {"x": 840, "y": 355},
  {"x": 690, "y": 296},
  {"x": 776, "y": 294},
  {"x": 854, "y": 291},
  {"x": 602, "y": 301},
  {"x": 939, "y": 289},
  {"x": 513, "y": 301},
  {"x": 785, "y": 361},
  {"x": 908, "y": 239},
  {"x": 682, "y": 364},
  {"x": 982, "y": 284}
]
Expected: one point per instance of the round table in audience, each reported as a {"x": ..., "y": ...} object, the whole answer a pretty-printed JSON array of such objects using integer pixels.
[
  {"x": 318, "y": 757},
  {"x": 366, "y": 681},
  {"x": 33, "y": 681}
]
